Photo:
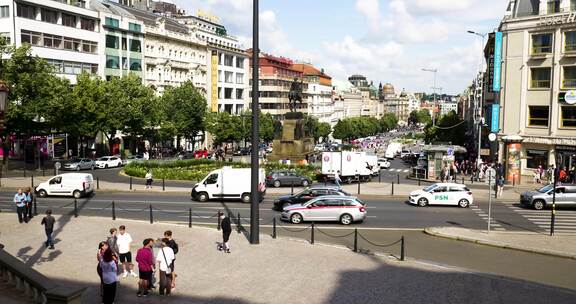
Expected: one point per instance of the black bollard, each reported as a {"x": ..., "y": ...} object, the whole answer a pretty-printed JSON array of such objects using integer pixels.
[
  {"x": 392, "y": 188},
  {"x": 462, "y": 180},
  {"x": 355, "y": 239},
  {"x": 398, "y": 175},
  {"x": 418, "y": 180},
  {"x": 380, "y": 176},
  {"x": 292, "y": 188},
  {"x": 402, "y": 249},
  {"x": 190, "y": 218},
  {"x": 130, "y": 182},
  {"x": 325, "y": 180},
  {"x": 113, "y": 211},
  {"x": 163, "y": 184},
  {"x": 312, "y": 234},
  {"x": 75, "y": 208},
  {"x": 358, "y": 185},
  {"x": 151, "y": 218},
  {"x": 32, "y": 181},
  {"x": 219, "y": 214},
  {"x": 35, "y": 207},
  {"x": 513, "y": 180},
  {"x": 238, "y": 223},
  {"x": 97, "y": 183},
  {"x": 274, "y": 228}
]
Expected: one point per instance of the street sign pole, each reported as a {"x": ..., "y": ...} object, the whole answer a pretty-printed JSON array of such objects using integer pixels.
[{"x": 489, "y": 197}]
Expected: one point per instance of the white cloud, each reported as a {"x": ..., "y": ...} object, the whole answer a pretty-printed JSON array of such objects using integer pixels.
[{"x": 371, "y": 9}]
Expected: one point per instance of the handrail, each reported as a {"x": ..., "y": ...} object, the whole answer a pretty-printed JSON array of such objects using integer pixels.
[{"x": 41, "y": 288}]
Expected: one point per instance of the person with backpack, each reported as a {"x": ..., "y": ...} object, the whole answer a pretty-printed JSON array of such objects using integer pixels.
[{"x": 165, "y": 259}]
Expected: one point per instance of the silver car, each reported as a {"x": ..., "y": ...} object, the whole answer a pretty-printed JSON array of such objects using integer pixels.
[
  {"x": 542, "y": 198},
  {"x": 79, "y": 164},
  {"x": 344, "y": 209}
]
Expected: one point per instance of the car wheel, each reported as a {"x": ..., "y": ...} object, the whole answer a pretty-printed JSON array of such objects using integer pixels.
[
  {"x": 42, "y": 193},
  {"x": 422, "y": 202},
  {"x": 106, "y": 166},
  {"x": 305, "y": 183},
  {"x": 245, "y": 197},
  {"x": 277, "y": 183},
  {"x": 296, "y": 218},
  {"x": 539, "y": 204},
  {"x": 77, "y": 194},
  {"x": 202, "y": 196},
  {"x": 346, "y": 219},
  {"x": 463, "y": 203},
  {"x": 348, "y": 180},
  {"x": 92, "y": 167},
  {"x": 78, "y": 168}
]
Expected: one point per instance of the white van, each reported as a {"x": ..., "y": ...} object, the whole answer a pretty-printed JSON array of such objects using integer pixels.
[
  {"x": 228, "y": 183},
  {"x": 67, "y": 184}
]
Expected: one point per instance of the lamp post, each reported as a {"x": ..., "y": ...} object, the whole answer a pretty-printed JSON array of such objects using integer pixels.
[
  {"x": 478, "y": 103},
  {"x": 254, "y": 165},
  {"x": 435, "y": 71},
  {"x": 3, "y": 108}
]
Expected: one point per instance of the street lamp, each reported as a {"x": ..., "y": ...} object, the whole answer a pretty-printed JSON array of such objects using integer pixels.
[
  {"x": 435, "y": 71},
  {"x": 254, "y": 165},
  {"x": 478, "y": 103},
  {"x": 3, "y": 108}
]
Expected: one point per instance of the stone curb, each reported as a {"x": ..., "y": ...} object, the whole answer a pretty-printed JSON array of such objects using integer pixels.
[{"x": 434, "y": 232}]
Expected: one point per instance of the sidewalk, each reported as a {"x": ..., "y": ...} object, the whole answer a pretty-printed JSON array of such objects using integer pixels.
[
  {"x": 560, "y": 246},
  {"x": 275, "y": 271},
  {"x": 366, "y": 189}
]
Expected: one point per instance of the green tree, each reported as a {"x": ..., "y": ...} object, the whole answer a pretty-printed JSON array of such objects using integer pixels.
[
  {"x": 322, "y": 130},
  {"x": 388, "y": 122},
  {"x": 419, "y": 116},
  {"x": 449, "y": 128},
  {"x": 344, "y": 130},
  {"x": 223, "y": 127},
  {"x": 184, "y": 109}
]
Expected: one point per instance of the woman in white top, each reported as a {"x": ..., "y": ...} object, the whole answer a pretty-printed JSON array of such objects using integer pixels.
[{"x": 148, "y": 180}]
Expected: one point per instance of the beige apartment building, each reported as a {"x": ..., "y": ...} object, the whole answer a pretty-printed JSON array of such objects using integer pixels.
[{"x": 538, "y": 88}]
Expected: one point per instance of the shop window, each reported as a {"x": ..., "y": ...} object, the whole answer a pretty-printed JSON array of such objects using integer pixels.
[
  {"x": 538, "y": 116},
  {"x": 568, "y": 117},
  {"x": 535, "y": 158},
  {"x": 542, "y": 43},
  {"x": 540, "y": 78}
]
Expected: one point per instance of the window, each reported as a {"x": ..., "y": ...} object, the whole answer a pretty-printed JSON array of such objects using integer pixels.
[
  {"x": 32, "y": 38},
  {"x": 112, "y": 62},
  {"x": 124, "y": 44},
  {"x": 89, "y": 47},
  {"x": 135, "y": 46},
  {"x": 572, "y": 5},
  {"x": 87, "y": 24},
  {"x": 228, "y": 77},
  {"x": 542, "y": 43},
  {"x": 538, "y": 116},
  {"x": 228, "y": 108},
  {"x": 535, "y": 158},
  {"x": 540, "y": 78},
  {"x": 4, "y": 11},
  {"x": 219, "y": 93},
  {"x": 228, "y": 60},
  {"x": 48, "y": 40},
  {"x": 112, "y": 42},
  {"x": 570, "y": 41},
  {"x": 568, "y": 117},
  {"x": 228, "y": 93},
  {"x": 219, "y": 76},
  {"x": 74, "y": 68},
  {"x": 553, "y": 6},
  {"x": 134, "y": 27},
  {"x": 26, "y": 11},
  {"x": 68, "y": 20},
  {"x": 135, "y": 64},
  {"x": 49, "y": 16},
  {"x": 212, "y": 179},
  {"x": 239, "y": 93},
  {"x": 569, "y": 77},
  {"x": 124, "y": 63},
  {"x": 112, "y": 22},
  {"x": 239, "y": 78},
  {"x": 240, "y": 63}
]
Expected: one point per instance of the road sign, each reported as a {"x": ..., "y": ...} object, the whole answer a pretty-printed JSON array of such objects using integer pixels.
[
  {"x": 450, "y": 152},
  {"x": 490, "y": 176}
]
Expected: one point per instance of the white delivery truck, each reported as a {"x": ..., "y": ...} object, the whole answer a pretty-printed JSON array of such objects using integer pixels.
[
  {"x": 67, "y": 184},
  {"x": 348, "y": 163},
  {"x": 228, "y": 183},
  {"x": 393, "y": 149}
]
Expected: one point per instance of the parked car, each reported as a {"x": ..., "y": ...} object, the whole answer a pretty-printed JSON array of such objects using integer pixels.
[
  {"x": 109, "y": 162},
  {"x": 383, "y": 163},
  {"x": 74, "y": 184},
  {"x": 344, "y": 209},
  {"x": 306, "y": 195},
  {"x": 132, "y": 158},
  {"x": 286, "y": 178},
  {"x": 442, "y": 194},
  {"x": 242, "y": 152},
  {"x": 542, "y": 198},
  {"x": 79, "y": 164}
]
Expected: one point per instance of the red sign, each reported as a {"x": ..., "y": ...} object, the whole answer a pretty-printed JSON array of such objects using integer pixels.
[
  {"x": 326, "y": 158},
  {"x": 349, "y": 157}
]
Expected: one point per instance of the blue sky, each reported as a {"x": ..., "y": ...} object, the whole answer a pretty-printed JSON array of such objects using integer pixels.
[{"x": 385, "y": 40}]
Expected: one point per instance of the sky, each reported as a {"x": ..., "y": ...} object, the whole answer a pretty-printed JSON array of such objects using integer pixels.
[{"x": 388, "y": 41}]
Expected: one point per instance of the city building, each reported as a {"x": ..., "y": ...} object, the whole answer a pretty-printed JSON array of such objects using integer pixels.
[
  {"x": 397, "y": 104},
  {"x": 228, "y": 64},
  {"x": 276, "y": 77},
  {"x": 448, "y": 106},
  {"x": 319, "y": 93},
  {"x": 537, "y": 125},
  {"x": 66, "y": 33}
]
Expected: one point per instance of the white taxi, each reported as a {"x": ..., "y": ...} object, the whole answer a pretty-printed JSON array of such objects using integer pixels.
[{"x": 442, "y": 194}]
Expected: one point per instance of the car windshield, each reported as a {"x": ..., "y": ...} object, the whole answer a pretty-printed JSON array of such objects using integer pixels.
[
  {"x": 430, "y": 188},
  {"x": 546, "y": 188},
  {"x": 103, "y": 158}
]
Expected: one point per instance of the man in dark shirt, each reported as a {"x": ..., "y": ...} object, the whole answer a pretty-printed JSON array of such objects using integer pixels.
[
  {"x": 48, "y": 222},
  {"x": 226, "y": 231}
]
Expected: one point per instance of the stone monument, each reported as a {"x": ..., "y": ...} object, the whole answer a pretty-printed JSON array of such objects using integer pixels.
[{"x": 293, "y": 139}]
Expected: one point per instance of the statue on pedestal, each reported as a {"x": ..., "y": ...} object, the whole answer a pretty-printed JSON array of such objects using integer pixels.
[{"x": 295, "y": 94}]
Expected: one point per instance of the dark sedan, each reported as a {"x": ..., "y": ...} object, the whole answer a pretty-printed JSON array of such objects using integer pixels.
[
  {"x": 286, "y": 178},
  {"x": 306, "y": 195},
  {"x": 242, "y": 152}
]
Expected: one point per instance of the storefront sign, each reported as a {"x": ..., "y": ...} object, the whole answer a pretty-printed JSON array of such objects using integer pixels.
[
  {"x": 558, "y": 19},
  {"x": 513, "y": 162},
  {"x": 497, "y": 61},
  {"x": 214, "y": 78},
  {"x": 566, "y": 148},
  {"x": 495, "y": 119}
]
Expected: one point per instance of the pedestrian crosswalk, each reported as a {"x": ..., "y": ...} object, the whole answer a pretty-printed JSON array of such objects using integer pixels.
[
  {"x": 397, "y": 170},
  {"x": 565, "y": 220},
  {"x": 494, "y": 225}
]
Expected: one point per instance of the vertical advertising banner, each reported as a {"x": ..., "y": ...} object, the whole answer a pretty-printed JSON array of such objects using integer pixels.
[
  {"x": 495, "y": 120},
  {"x": 513, "y": 162},
  {"x": 214, "y": 78},
  {"x": 497, "y": 61}
]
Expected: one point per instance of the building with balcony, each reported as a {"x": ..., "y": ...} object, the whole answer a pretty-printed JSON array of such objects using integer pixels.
[
  {"x": 66, "y": 33},
  {"x": 319, "y": 93},
  {"x": 396, "y": 103},
  {"x": 538, "y": 112}
]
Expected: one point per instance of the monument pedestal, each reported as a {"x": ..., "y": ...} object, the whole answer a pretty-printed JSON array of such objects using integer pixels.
[{"x": 293, "y": 145}]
